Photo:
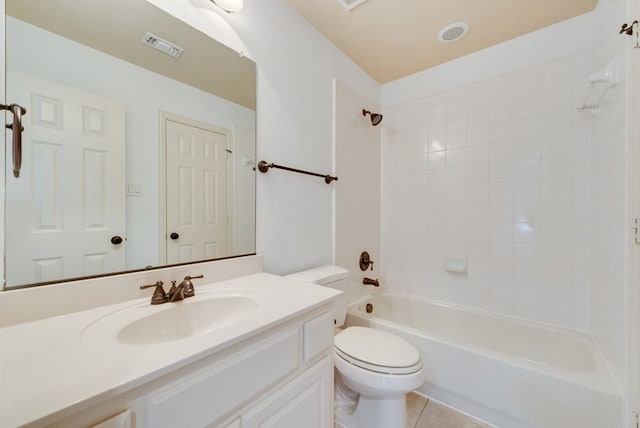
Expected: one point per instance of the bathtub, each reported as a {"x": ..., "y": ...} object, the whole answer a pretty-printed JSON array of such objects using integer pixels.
[{"x": 505, "y": 371}]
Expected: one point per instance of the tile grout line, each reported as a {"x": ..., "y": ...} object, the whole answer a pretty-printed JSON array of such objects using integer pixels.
[{"x": 422, "y": 412}]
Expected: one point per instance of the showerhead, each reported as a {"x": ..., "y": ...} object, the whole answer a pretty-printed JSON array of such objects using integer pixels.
[{"x": 376, "y": 118}]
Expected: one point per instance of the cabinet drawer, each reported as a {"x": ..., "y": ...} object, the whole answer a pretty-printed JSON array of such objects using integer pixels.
[
  {"x": 317, "y": 336},
  {"x": 209, "y": 394}
]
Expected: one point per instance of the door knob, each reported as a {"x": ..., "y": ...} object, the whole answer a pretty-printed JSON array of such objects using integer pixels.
[
  {"x": 174, "y": 236},
  {"x": 116, "y": 240}
]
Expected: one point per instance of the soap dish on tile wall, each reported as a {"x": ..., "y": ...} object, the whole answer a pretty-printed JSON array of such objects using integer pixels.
[{"x": 454, "y": 265}]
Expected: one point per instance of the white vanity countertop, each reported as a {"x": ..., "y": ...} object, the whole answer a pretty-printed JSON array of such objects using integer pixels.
[{"x": 72, "y": 361}]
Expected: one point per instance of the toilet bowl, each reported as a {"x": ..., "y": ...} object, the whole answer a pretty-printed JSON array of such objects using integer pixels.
[
  {"x": 375, "y": 366},
  {"x": 382, "y": 368}
]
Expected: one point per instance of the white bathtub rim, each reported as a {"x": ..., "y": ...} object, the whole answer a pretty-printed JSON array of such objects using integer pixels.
[
  {"x": 601, "y": 379},
  {"x": 479, "y": 311}
]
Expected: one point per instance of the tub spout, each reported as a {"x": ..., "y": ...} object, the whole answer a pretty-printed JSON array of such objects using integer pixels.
[{"x": 369, "y": 281}]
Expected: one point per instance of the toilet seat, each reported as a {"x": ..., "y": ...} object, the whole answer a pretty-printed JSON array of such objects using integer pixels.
[
  {"x": 376, "y": 384},
  {"x": 376, "y": 368},
  {"x": 377, "y": 351}
]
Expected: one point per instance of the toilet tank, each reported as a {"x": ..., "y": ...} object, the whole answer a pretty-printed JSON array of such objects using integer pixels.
[{"x": 329, "y": 276}]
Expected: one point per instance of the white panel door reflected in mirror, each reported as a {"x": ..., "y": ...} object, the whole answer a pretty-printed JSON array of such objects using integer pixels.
[
  {"x": 67, "y": 208},
  {"x": 198, "y": 167}
]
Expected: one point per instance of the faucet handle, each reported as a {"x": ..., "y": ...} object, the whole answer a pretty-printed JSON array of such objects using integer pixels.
[
  {"x": 187, "y": 285},
  {"x": 365, "y": 261},
  {"x": 173, "y": 288},
  {"x": 159, "y": 295}
]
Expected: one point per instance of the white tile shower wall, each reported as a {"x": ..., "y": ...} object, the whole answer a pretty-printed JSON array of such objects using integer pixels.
[
  {"x": 357, "y": 193},
  {"x": 496, "y": 173}
]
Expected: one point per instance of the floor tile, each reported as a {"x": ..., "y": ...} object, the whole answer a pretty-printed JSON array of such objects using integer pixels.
[
  {"x": 415, "y": 406},
  {"x": 436, "y": 415},
  {"x": 425, "y": 413}
]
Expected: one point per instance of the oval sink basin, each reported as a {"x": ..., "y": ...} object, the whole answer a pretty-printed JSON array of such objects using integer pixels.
[{"x": 186, "y": 318}]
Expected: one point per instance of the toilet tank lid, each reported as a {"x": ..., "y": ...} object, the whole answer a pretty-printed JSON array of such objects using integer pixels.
[{"x": 321, "y": 275}]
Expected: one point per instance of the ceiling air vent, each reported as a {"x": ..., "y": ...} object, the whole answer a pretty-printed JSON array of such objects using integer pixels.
[
  {"x": 162, "y": 45},
  {"x": 350, "y": 4}
]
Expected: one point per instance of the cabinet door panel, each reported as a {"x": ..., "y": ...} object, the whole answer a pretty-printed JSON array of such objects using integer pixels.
[
  {"x": 305, "y": 402},
  {"x": 317, "y": 336}
]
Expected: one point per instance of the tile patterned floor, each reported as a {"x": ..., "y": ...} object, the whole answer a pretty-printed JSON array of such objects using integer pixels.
[{"x": 425, "y": 413}]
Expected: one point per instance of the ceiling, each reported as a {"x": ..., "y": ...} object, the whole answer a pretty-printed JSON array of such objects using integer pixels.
[
  {"x": 104, "y": 26},
  {"x": 391, "y": 39}
]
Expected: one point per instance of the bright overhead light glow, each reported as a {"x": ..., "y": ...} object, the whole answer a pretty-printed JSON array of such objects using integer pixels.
[{"x": 229, "y": 5}]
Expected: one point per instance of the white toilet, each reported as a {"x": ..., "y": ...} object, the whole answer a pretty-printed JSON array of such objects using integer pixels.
[{"x": 379, "y": 366}]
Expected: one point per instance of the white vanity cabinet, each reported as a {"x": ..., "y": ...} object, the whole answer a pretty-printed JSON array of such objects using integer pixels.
[{"x": 280, "y": 377}]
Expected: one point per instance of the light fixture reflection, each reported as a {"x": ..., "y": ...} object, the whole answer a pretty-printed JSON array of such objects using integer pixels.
[
  {"x": 230, "y": 6},
  {"x": 525, "y": 228},
  {"x": 434, "y": 146}
]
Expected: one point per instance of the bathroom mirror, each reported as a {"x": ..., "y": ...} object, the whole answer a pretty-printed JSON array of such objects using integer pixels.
[{"x": 138, "y": 143}]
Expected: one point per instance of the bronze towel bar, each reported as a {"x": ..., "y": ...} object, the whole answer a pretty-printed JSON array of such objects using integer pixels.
[{"x": 263, "y": 166}]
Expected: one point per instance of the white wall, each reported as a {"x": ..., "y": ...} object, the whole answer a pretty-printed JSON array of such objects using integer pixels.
[
  {"x": 295, "y": 100},
  {"x": 244, "y": 190},
  {"x": 357, "y": 201},
  {"x": 144, "y": 94}
]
